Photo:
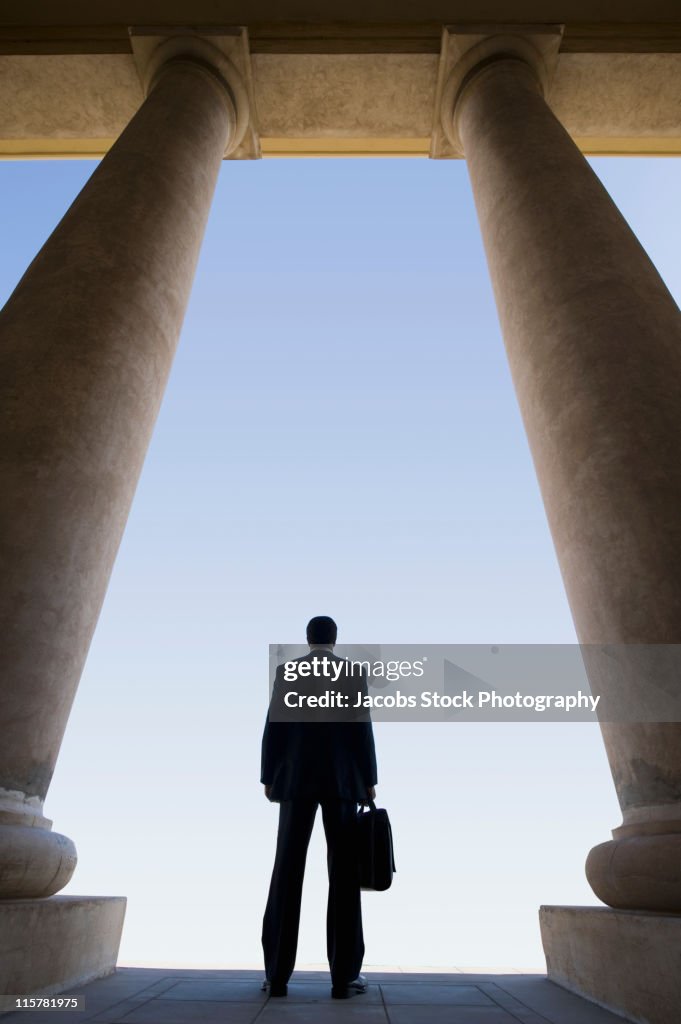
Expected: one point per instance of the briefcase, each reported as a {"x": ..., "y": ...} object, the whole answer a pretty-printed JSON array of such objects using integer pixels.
[{"x": 375, "y": 848}]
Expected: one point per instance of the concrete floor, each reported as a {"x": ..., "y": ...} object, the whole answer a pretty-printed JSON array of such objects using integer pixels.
[{"x": 139, "y": 995}]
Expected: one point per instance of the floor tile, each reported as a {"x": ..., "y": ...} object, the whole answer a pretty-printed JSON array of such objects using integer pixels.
[
  {"x": 431, "y": 977},
  {"x": 119, "y": 1005},
  {"x": 450, "y": 1015},
  {"x": 503, "y": 998},
  {"x": 352, "y": 1011},
  {"x": 424, "y": 993},
  {"x": 556, "y": 1004},
  {"x": 216, "y": 989},
  {"x": 201, "y": 1011}
]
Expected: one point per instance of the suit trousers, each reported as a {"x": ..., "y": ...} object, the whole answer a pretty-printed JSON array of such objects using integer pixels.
[{"x": 344, "y": 937}]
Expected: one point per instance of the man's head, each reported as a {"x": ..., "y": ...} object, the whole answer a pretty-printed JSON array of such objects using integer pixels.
[{"x": 321, "y": 630}]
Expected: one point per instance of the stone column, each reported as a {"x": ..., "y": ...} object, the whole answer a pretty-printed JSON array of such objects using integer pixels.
[
  {"x": 594, "y": 343},
  {"x": 86, "y": 344}
]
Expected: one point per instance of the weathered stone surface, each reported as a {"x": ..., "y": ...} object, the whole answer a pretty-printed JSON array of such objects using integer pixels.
[
  {"x": 594, "y": 345},
  {"x": 360, "y": 99},
  {"x": 637, "y": 872},
  {"x": 86, "y": 343},
  {"x": 48, "y": 945},
  {"x": 34, "y": 861},
  {"x": 626, "y": 961}
]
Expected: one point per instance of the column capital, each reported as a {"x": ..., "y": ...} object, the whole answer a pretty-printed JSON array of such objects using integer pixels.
[
  {"x": 468, "y": 49},
  {"x": 224, "y": 54}
]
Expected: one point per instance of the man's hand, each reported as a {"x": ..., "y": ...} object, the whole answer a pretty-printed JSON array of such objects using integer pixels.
[
  {"x": 371, "y": 793},
  {"x": 268, "y": 792}
]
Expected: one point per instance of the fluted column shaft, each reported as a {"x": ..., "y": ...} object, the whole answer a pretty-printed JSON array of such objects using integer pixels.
[
  {"x": 594, "y": 343},
  {"x": 86, "y": 344}
]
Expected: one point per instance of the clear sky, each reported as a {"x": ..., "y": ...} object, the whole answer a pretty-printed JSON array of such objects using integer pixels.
[{"x": 339, "y": 436}]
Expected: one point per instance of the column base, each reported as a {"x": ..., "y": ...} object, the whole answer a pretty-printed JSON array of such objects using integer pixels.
[
  {"x": 639, "y": 872},
  {"x": 54, "y": 944},
  {"x": 34, "y": 862},
  {"x": 624, "y": 960}
]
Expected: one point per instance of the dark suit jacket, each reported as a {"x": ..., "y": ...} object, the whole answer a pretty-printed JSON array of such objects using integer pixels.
[{"x": 317, "y": 759}]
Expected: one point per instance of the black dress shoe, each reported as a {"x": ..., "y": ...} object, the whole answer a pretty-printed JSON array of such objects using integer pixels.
[
  {"x": 274, "y": 989},
  {"x": 353, "y": 988}
]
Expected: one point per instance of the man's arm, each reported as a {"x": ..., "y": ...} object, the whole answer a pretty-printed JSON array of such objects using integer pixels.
[
  {"x": 273, "y": 739},
  {"x": 273, "y": 742},
  {"x": 268, "y": 755},
  {"x": 268, "y": 749},
  {"x": 367, "y": 747}
]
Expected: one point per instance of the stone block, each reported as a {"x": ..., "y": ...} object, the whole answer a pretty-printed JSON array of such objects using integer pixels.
[
  {"x": 55, "y": 944},
  {"x": 628, "y": 961}
]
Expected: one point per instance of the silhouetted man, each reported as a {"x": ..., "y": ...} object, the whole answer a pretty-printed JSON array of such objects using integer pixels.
[{"x": 307, "y": 761}]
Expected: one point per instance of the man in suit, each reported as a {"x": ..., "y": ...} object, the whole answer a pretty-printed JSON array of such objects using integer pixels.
[{"x": 314, "y": 759}]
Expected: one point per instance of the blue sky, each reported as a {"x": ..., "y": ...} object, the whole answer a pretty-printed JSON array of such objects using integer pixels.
[{"x": 339, "y": 436}]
